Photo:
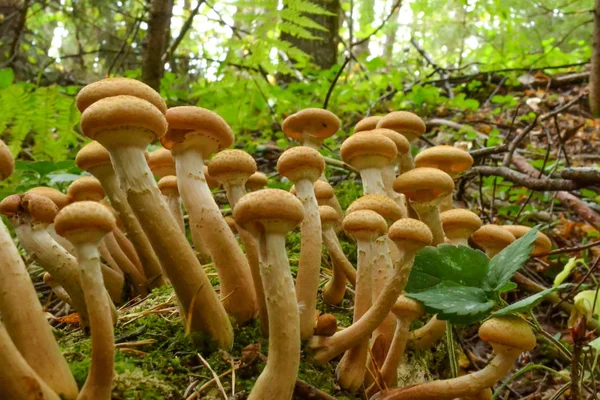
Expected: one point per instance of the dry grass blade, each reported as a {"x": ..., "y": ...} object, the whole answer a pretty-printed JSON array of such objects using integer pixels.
[{"x": 215, "y": 376}]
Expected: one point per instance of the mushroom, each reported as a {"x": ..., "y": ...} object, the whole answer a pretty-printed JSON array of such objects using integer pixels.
[
  {"x": 125, "y": 125},
  {"x": 24, "y": 319},
  {"x": 369, "y": 153},
  {"x": 311, "y": 126},
  {"x": 58, "y": 290},
  {"x": 232, "y": 168},
  {"x": 409, "y": 234},
  {"x": 84, "y": 224},
  {"x": 326, "y": 197},
  {"x": 303, "y": 166},
  {"x": 326, "y": 325},
  {"x": 368, "y": 123},
  {"x": 95, "y": 159},
  {"x": 509, "y": 337},
  {"x": 61, "y": 200},
  {"x": 541, "y": 245},
  {"x": 452, "y": 160},
  {"x": 256, "y": 181},
  {"x": 425, "y": 188},
  {"x": 492, "y": 239},
  {"x": 194, "y": 134},
  {"x": 365, "y": 226},
  {"x": 459, "y": 225},
  {"x": 270, "y": 214},
  {"x": 168, "y": 187},
  {"x": 161, "y": 163},
  {"x": 408, "y": 125}
]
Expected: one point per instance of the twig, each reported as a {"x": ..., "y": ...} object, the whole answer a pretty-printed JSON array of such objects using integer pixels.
[
  {"x": 526, "y": 180},
  {"x": 334, "y": 81},
  {"x": 564, "y": 107},
  {"x": 443, "y": 73},
  {"x": 512, "y": 146},
  {"x": 198, "y": 391},
  {"x": 570, "y": 249},
  {"x": 184, "y": 30},
  {"x": 214, "y": 374}
]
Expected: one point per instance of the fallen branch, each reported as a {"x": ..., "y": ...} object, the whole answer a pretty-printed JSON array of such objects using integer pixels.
[
  {"x": 525, "y": 180},
  {"x": 570, "y": 249}
]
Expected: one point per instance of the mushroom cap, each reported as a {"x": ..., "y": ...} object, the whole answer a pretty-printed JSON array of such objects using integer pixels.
[
  {"x": 406, "y": 307},
  {"x": 231, "y": 223},
  {"x": 210, "y": 181},
  {"x": 275, "y": 210},
  {"x": 364, "y": 225},
  {"x": 492, "y": 236},
  {"x": 459, "y": 223},
  {"x": 329, "y": 217},
  {"x": 11, "y": 205},
  {"x": 301, "y": 162},
  {"x": 85, "y": 188},
  {"x": 423, "y": 185},
  {"x": 405, "y": 123},
  {"x": 168, "y": 184},
  {"x": 233, "y": 166},
  {"x": 41, "y": 208},
  {"x": 84, "y": 217},
  {"x": 7, "y": 162},
  {"x": 508, "y": 331},
  {"x": 50, "y": 280},
  {"x": 323, "y": 190},
  {"x": 92, "y": 155},
  {"x": 61, "y": 200},
  {"x": 326, "y": 325},
  {"x": 110, "y": 87},
  {"x": 366, "y": 150},
  {"x": 542, "y": 243},
  {"x": 115, "y": 113},
  {"x": 203, "y": 127},
  {"x": 315, "y": 122},
  {"x": 368, "y": 123},
  {"x": 410, "y": 232},
  {"x": 256, "y": 181},
  {"x": 382, "y": 205},
  {"x": 449, "y": 159},
  {"x": 161, "y": 162},
  {"x": 402, "y": 145}
]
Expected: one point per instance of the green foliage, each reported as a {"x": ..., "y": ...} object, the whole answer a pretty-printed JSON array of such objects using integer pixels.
[{"x": 527, "y": 303}]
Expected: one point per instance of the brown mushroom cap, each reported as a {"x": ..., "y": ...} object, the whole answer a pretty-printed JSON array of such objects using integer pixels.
[
  {"x": 232, "y": 166},
  {"x": 408, "y": 308},
  {"x": 311, "y": 121},
  {"x": 231, "y": 223},
  {"x": 542, "y": 244},
  {"x": 402, "y": 145},
  {"x": 508, "y": 331},
  {"x": 329, "y": 217},
  {"x": 92, "y": 155},
  {"x": 422, "y": 185},
  {"x": 114, "y": 113},
  {"x": 7, "y": 162},
  {"x": 85, "y": 188},
  {"x": 168, "y": 184},
  {"x": 410, "y": 232},
  {"x": 366, "y": 150},
  {"x": 11, "y": 205},
  {"x": 299, "y": 163},
  {"x": 83, "y": 217},
  {"x": 61, "y": 200},
  {"x": 256, "y": 181},
  {"x": 198, "y": 123},
  {"x": 492, "y": 235},
  {"x": 50, "y": 280},
  {"x": 41, "y": 208},
  {"x": 367, "y": 124},
  {"x": 405, "y": 123},
  {"x": 364, "y": 225},
  {"x": 449, "y": 159},
  {"x": 326, "y": 325},
  {"x": 210, "y": 181},
  {"x": 382, "y": 205},
  {"x": 323, "y": 190},
  {"x": 459, "y": 223},
  {"x": 161, "y": 162},
  {"x": 275, "y": 209},
  {"x": 110, "y": 87}
]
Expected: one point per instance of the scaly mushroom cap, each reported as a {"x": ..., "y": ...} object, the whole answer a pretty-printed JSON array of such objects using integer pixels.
[
  {"x": 402, "y": 145},
  {"x": 314, "y": 122},
  {"x": 323, "y": 190},
  {"x": 405, "y": 123},
  {"x": 161, "y": 162},
  {"x": 205, "y": 127},
  {"x": 329, "y": 217},
  {"x": 326, "y": 325},
  {"x": 366, "y": 150},
  {"x": 367, "y": 124},
  {"x": 168, "y": 184},
  {"x": 85, "y": 188},
  {"x": 110, "y": 87},
  {"x": 364, "y": 225},
  {"x": 460, "y": 223},
  {"x": 274, "y": 209},
  {"x": 41, "y": 208},
  {"x": 449, "y": 159},
  {"x": 234, "y": 166},
  {"x": 508, "y": 331},
  {"x": 61, "y": 200},
  {"x": 256, "y": 181},
  {"x": 423, "y": 185},
  {"x": 410, "y": 232},
  {"x": 492, "y": 235},
  {"x": 92, "y": 155},
  {"x": 542, "y": 243},
  {"x": 11, "y": 205},
  {"x": 77, "y": 220},
  {"x": 382, "y": 205},
  {"x": 301, "y": 163},
  {"x": 406, "y": 307},
  {"x": 111, "y": 114},
  {"x": 7, "y": 162}
]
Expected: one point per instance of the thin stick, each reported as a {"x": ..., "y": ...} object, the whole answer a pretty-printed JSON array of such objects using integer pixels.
[{"x": 215, "y": 376}]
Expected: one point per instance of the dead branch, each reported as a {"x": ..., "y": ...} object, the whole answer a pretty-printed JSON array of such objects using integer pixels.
[{"x": 521, "y": 179}]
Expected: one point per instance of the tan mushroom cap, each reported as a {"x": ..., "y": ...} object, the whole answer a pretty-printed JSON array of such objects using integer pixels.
[
  {"x": 329, "y": 217},
  {"x": 364, "y": 225},
  {"x": 368, "y": 123},
  {"x": 92, "y": 155},
  {"x": 210, "y": 181},
  {"x": 323, "y": 190},
  {"x": 85, "y": 188},
  {"x": 449, "y": 159},
  {"x": 365, "y": 150},
  {"x": 256, "y": 181},
  {"x": 422, "y": 185},
  {"x": 508, "y": 331},
  {"x": 168, "y": 184},
  {"x": 199, "y": 123},
  {"x": 61, "y": 200},
  {"x": 232, "y": 165},
  {"x": 492, "y": 235},
  {"x": 41, "y": 208},
  {"x": 405, "y": 123},
  {"x": 408, "y": 308},
  {"x": 326, "y": 325},
  {"x": 542, "y": 243},
  {"x": 11, "y": 205},
  {"x": 382, "y": 205},
  {"x": 84, "y": 217},
  {"x": 7, "y": 162},
  {"x": 299, "y": 163},
  {"x": 114, "y": 113},
  {"x": 50, "y": 280},
  {"x": 311, "y": 121},
  {"x": 459, "y": 223},
  {"x": 161, "y": 162},
  {"x": 411, "y": 232},
  {"x": 231, "y": 223},
  {"x": 110, "y": 87},
  {"x": 402, "y": 145},
  {"x": 274, "y": 209}
]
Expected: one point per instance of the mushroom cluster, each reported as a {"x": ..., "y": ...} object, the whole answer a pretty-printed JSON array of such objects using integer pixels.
[{"x": 123, "y": 231}]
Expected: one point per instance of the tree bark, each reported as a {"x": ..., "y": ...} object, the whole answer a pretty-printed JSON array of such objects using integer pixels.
[
  {"x": 157, "y": 42},
  {"x": 14, "y": 13},
  {"x": 595, "y": 67}
]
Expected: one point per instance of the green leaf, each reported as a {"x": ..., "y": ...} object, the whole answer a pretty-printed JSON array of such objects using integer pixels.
[
  {"x": 7, "y": 77},
  {"x": 566, "y": 271},
  {"x": 527, "y": 303},
  {"x": 585, "y": 300},
  {"x": 508, "y": 286}
]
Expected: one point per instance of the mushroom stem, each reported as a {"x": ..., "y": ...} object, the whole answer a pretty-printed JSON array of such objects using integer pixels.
[
  {"x": 460, "y": 241},
  {"x": 335, "y": 289},
  {"x": 337, "y": 255},
  {"x": 388, "y": 176},
  {"x": 428, "y": 334},
  {"x": 125, "y": 264},
  {"x": 109, "y": 258},
  {"x": 129, "y": 250},
  {"x": 389, "y": 370},
  {"x": 58, "y": 290},
  {"x": 446, "y": 203},
  {"x": 174, "y": 204},
  {"x": 429, "y": 213},
  {"x": 405, "y": 163},
  {"x": 372, "y": 181}
]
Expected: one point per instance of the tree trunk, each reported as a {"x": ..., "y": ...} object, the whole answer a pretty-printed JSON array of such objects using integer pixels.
[
  {"x": 14, "y": 16},
  {"x": 324, "y": 51},
  {"x": 391, "y": 30},
  {"x": 595, "y": 68},
  {"x": 157, "y": 42},
  {"x": 367, "y": 16}
]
